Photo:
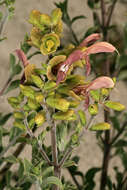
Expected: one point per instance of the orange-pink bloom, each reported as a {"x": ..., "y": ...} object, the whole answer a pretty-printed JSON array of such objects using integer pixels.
[{"x": 80, "y": 53}]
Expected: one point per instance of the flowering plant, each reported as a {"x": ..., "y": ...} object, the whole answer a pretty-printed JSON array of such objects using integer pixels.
[{"x": 54, "y": 100}]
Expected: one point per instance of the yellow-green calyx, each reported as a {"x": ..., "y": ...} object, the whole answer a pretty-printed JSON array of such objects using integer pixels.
[
  {"x": 49, "y": 44},
  {"x": 52, "y": 64}
]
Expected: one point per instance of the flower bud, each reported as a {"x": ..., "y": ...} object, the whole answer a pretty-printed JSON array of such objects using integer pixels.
[{"x": 56, "y": 15}]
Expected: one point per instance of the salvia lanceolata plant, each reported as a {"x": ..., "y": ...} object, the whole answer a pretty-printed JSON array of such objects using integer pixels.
[{"x": 53, "y": 99}]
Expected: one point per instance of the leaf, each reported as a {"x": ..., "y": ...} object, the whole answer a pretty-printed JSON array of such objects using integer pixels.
[
  {"x": 95, "y": 94},
  {"x": 90, "y": 3},
  {"x": 69, "y": 115},
  {"x": 58, "y": 103},
  {"x": 12, "y": 63},
  {"x": 8, "y": 178},
  {"x": 15, "y": 69},
  {"x": 77, "y": 17},
  {"x": 11, "y": 159},
  {"x": 69, "y": 163},
  {"x": 4, "y": 119},
  {"x": 13, "y": 85},
  {"x": 121, "y": 143},
  {"x": 100, "y": 126},
  {"x": 114, "y": 105},
  {"x": 122, "y": 75},
  {"x": 53, "y": 180},
  {"x": 82, "y": 117},
  {"x": 116, "y": 123}
]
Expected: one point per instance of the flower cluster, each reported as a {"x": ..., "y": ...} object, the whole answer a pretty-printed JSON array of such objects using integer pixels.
[
  {"x": 46, "y": 30},
  {"x": 55, "y": 85}
]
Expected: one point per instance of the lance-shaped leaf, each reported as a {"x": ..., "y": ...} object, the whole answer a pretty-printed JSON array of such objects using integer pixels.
[
  {"x": 69, "y": 115},
  {"x": 22, "y": 57},
  {"x": 82, "y": 116},
  {"x": 100, "y": 126},
  {"x": 58, "y": 103},
  {"x": 90, "y": 39},
  {"x": 114, "y": 105},
  {"x": 100, "y": 82}
]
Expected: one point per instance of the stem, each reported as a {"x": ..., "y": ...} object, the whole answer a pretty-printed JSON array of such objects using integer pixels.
[
  {"x": 35, "y": 53},
  {"x": 73, "y": 34},
  {"x": 5, "y": 86},
  {"x": 106, "y": 70},
  {"x": 103, "y": 13},
  {"x": 55, "y": 154},
  {"x": 119, "y": 133},
  {"x": 10, "y": 144},
  {"x": 3, "y": 22},
  {"x": 43, "y": 153},
  {"x": 110, "y": 13}
]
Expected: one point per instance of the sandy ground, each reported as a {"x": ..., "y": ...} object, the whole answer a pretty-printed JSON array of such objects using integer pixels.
[{"x": 16, "y": 29}]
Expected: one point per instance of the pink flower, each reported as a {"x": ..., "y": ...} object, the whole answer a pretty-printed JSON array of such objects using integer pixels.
[
  {"x": 100, "y": 82},
  {"x": 83, "y": 53}
]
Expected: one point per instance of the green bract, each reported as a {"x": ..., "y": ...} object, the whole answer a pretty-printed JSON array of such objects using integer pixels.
[{"x": 49, "y": 44}]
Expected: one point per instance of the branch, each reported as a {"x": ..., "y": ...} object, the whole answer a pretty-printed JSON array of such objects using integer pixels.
[
  {"x": 43, "y": 153},
  {"x": 110, "y": 13},
  {"x": 66, "y": 155},
  {"x": 3, "y": 23},
  {"x": 103, "y": 13},
  {"x": 54, "y": 145},
  {"x": 70, "y": 149},
  {"x": 119, "y": 133},
  {"x": 5, "y": 86},
  {"x": 10, "y": 144}
]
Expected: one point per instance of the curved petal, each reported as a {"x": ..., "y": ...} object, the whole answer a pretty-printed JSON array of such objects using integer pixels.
[
  {"x": 100, "y": 47},
  {"x": 22, "y": 57},
  {"x": 73, "y": 57},
  {"x": 100, "y": 82},
  {"x": 90, "y": 39}
]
